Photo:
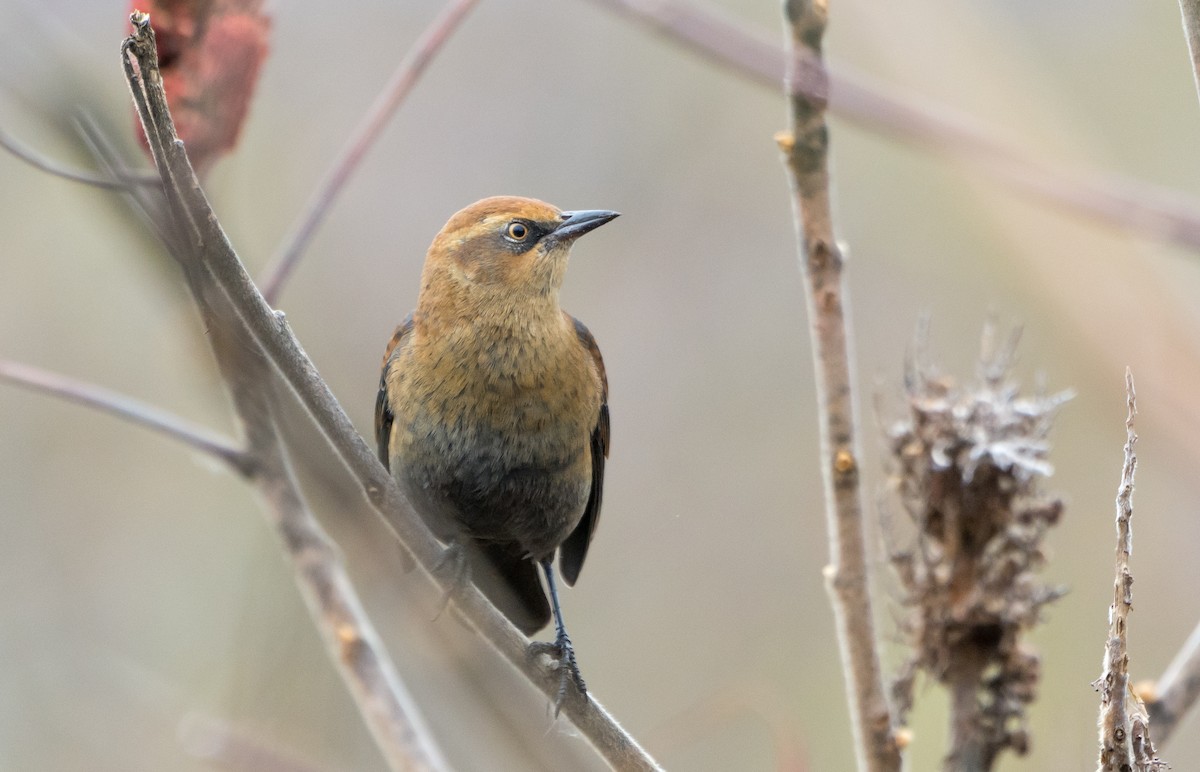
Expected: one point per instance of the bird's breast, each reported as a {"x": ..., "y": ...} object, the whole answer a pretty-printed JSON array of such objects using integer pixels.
[{"x": 493, "y": 430}]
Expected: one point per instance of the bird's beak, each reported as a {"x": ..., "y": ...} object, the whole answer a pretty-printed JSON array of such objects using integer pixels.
[{"x": 575, "y": 224}]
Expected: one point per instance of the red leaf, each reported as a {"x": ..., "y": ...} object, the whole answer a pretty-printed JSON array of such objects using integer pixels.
[{"x": 210, "y": 53}]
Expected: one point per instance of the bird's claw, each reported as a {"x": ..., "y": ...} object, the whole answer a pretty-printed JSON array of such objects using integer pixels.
[{"x": 563, "y": 653}]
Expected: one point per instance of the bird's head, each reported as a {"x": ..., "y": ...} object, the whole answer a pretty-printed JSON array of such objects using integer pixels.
[{"x": 505, "y": 247}]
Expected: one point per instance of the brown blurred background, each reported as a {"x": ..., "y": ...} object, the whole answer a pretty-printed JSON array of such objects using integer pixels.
[{"x": 143, "y": 587}]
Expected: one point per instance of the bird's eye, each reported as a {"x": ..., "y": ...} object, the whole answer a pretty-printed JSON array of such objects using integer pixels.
[{"x": 517, "y": 231}]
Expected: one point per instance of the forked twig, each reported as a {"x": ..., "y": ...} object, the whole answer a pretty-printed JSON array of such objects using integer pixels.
[{"x": 397, "y": 89}]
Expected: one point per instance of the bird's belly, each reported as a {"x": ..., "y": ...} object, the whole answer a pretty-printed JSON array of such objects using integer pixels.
[{"x": 474, "y": 480}]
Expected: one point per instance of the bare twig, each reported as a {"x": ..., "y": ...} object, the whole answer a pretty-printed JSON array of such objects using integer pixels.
[
  {"x": 1191, "y": 28},
  {"x": 197, "y": 221},
  {"x": 50, "y": 166},
  {"x": 805, "y": 149},
  {"x": 1113, "y": 200},
  {"x": 125, "y": 407},
  {"x": 397, "y": 89},
  {"x": 1125, "y": 744},
  {"x": 1177, "y": 690}
]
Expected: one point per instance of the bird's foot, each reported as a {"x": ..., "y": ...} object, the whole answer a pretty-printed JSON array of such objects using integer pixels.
[
  {"x": 563, "y": 654},
  {"x": 453, "y": 567}
]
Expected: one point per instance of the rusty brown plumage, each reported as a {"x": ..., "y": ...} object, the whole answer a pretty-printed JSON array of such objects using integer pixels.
[{"x": 492, "y": 411}]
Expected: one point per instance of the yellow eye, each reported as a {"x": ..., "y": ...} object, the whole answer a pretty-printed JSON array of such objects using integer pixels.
[{"x": 517, "y": 231}]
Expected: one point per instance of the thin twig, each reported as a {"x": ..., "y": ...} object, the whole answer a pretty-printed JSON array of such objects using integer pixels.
[
  {"x": 1190, "y": 9},
  {"x": 1125, "y": 744},
  {"x": 805, "y": 148},
  {"x": 271, "y": 331},
  {"x": 140, "y": 413},
  {"x": 50, "y": 166},
  {"x": 1177, "y": 690},
  {"x": 1179, "y": 687},
  {"x": 1113, "y": 200},
  {"x": 397, "y": 89},
  {"x": 147, "y": 204}
]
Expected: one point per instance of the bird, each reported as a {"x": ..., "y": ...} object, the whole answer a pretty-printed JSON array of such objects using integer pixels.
[{"x": 492, "y": 411}]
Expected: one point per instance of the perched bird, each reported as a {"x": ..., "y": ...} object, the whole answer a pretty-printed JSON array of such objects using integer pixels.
[{"x": 492, "y": 411}]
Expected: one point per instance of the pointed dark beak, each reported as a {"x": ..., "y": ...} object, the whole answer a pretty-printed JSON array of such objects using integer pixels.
[{"x": 575, "y": 224}]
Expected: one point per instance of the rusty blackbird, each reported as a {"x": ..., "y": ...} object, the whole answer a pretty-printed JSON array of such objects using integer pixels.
[{"x": 492, "y": 411}]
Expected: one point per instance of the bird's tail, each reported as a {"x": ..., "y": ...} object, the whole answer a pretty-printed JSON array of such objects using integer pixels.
[{"x": 509, "y": 579}]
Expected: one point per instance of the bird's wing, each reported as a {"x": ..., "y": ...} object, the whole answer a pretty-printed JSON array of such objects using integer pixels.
[
  {"x": 383, "y": 411},
  {"x": 575, "y": 548}
]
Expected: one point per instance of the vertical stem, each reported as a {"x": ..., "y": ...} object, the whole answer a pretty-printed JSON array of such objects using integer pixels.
[
  {"x": 806, "y": 157},
  {"x": 1191, "y": 27},
  {"x": 1125, "y": 743},
  {"x": 967, "y": 751}
]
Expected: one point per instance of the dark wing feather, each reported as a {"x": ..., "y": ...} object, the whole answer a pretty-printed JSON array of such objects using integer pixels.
[
  {"x": 383, "y": 411},
  {"x": 574, "y": 549}
]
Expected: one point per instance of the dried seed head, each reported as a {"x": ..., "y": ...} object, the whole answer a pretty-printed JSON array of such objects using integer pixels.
[{"x": 966, "y": 463}]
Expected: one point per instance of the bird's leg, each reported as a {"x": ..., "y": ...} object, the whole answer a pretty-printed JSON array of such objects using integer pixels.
[
  {"x": 453, "y": 561},
  {"x": 561, "y": 649}
]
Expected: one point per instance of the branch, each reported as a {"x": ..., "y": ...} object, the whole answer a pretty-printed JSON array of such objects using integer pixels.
[
  {"x": 322, "y": 579},
  {"x": 38, "y": 161},
  {"x": 1191, "y": 28},
  {"x": 805, "y": 148},
  {"x": 359, "y": 655},
  {"x": 397, "y": 89},
  {"x": 1125, "y": 744},
  {"x": 102, "y": 399},
  {"x": 1178, "y": 689},
  {"x": 197, "y": 221},
  {"x": 1110, "y": 199}
]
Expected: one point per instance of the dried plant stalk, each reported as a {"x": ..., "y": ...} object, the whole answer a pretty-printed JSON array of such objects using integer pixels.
[
  {"x": 1125, "y": 744},
  {"x": 967, "y": 465}
]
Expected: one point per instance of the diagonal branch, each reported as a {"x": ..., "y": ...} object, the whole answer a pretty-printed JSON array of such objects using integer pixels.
[
  {"x": 337, "y": 613},
  {"x": 1112, "y": 200},
  {"x": 393, "y": 95},
  {"x": 50, "y": 166},
  {"x": 1177, "y": 690},
  {"x": 806, "y": 148},
  {"x": 193, "y": 215},
  {"x": 361, "y": 659},
  {"x": 111, "y": 402}
]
